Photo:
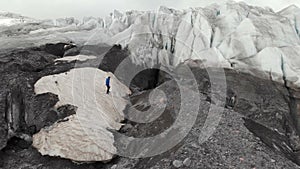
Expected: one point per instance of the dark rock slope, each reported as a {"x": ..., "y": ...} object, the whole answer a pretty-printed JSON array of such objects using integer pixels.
[
  {"x": 256, "y": 129},
  {"x": 22, "y": 113}
]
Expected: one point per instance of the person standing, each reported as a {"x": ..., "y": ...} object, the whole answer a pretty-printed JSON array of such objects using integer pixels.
[{"x": 107, "y": 83}]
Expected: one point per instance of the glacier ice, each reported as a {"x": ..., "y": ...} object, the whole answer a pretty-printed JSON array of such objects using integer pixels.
[
  {"x": 234, "y": 33},
  {"x": 85, "y": 136}
]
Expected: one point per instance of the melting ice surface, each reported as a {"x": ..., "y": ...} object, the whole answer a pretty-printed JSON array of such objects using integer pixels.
[
  {"x": 231, "y": 35},
  {"x": 83, "y": 136}
]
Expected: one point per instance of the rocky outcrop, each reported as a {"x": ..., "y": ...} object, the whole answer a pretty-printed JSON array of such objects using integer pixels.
[
  {"x": 22, "y": 111},
  {"x": 256, "y": 132},
  {"x": 113, "y": 58},
  {"x": 117, "y": 58},
  {"x": 58, "y": 49}
]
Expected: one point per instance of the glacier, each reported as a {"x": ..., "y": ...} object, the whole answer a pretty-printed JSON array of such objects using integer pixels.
[{"x": 231, "y": 35}]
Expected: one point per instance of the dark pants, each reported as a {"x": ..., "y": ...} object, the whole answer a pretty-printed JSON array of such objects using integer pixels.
[{"x": 108, "y": 87}]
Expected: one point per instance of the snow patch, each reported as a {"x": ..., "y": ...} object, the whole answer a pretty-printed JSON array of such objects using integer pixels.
[
  {"x": 84, "y": 136},
  {"x": 76, "y": 58}
]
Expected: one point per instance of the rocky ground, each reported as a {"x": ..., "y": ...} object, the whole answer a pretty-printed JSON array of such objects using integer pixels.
[{"x": 256, "y": 130}]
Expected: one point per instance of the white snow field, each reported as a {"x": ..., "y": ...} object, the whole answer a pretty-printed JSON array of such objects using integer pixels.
[
  {"x": 9, "y": 19},
  {"x": 83, "y": 137}
]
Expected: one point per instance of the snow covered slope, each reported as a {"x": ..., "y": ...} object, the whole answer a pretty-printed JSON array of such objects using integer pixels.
[
  {"x": 232, "y": 35},
  {"x": 9, "y": 19},
  {"x": 84, "y": 136}
]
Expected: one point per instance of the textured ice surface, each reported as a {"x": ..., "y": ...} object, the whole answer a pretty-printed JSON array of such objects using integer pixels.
[
  {"x": 85, "y": 135},
  {"x": 231, "y": 34}
]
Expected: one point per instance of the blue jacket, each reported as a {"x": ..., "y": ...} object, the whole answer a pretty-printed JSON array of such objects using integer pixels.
[{"x": 107, "y": 82}]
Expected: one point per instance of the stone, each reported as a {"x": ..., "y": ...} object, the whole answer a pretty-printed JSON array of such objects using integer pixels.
[
  {"x": 114, "y": 166},
  {"x": 177, "y": 163},
  {"x": 187, "y": 162}
]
